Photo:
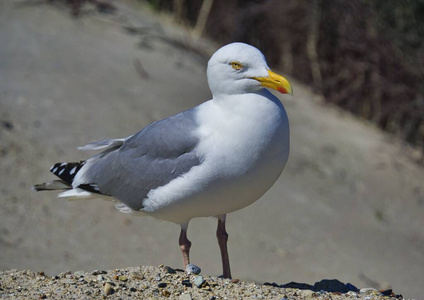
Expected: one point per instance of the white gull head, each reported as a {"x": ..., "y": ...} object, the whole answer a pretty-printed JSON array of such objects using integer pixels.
[{"x": 239, "y": 68}]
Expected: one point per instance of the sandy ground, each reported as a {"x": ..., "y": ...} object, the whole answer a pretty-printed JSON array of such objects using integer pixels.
[
  {"x": 349, "y": 205},
  {"x": 163, "y": 282}
]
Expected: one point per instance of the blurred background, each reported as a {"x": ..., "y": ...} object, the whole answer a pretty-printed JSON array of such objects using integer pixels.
[
  {"x": 364, "y": 56},
  {"x": 350, "y": 203}
]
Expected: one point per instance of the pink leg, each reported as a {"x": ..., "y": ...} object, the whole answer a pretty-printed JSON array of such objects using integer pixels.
[
  {"x": 185, "y": 245},
  {"x": 222, "y": 236}
]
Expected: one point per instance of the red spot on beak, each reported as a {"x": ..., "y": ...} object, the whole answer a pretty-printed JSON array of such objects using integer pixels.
[{"x": 282, "y": 90}]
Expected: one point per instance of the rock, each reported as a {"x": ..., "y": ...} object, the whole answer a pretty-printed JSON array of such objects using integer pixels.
[
  {"x": 235, "y": 280},
  {"x": 136, "y": 275},
  {"x": 306, "y": 293},
  {"x": 199, "y": 281},
  {"x": 78, "y": 274},
  {"x": 64, "y": 274},
  {"x": 369, "y": 291},
  {"x": 108, "y": 289},
  {"x": 123, "y": 278},
  {"x": 386, "y": 292},
  {"x": 169, "y": 270},
  {"x": 186, "y": 283},
  {"x": 193, "y": 269},
  {"x": 166, "y": 293},
  {"x": 161, "y": 284},
  {"x": 186, "y": 297}
]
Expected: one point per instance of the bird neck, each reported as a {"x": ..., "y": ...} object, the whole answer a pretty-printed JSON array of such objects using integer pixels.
[{"x": 262, "y": 99}]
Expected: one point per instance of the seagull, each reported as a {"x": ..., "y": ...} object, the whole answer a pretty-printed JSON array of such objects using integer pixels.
[{"x": 208, "y": 161}]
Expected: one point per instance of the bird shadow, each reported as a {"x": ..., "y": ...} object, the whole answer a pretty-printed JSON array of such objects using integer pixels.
[{"x": 327, "y": 285}]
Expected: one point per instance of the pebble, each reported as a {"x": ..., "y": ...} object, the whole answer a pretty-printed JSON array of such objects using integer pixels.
[
  {"x": 169, "y": 270},
  {"x": 123, "y": 278},
  {"x": 186, "y": 282},
  {"x": 78, "y": 274},
  {"x": 162, "y": 284},
  {"x": 166, "y": 293},
  {"x": 198, "y": 281},
  {"x": 193, "y": 269},
  {"x": 306, "y": 293},
  {"x": 108, "y": 289},
  {"x": 186, "y": 297},
  {"x": 369, "y": 291},
  {"x": 136, "y": 275},
  {"x": 387, "y": 292},
  {"x": 65, "y": 273}
]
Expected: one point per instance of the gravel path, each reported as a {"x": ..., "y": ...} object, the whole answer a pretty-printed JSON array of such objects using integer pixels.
[{"x": 166, "y": 283}]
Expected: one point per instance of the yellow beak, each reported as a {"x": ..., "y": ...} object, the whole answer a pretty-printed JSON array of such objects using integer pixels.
[{"x": 276, "y": 82}]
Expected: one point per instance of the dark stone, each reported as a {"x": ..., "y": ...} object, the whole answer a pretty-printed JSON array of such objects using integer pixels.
[
  {"x": 186, "y": 283},
  {"x": 169, "y": 270},
  {"x": 388, "y": 292}
]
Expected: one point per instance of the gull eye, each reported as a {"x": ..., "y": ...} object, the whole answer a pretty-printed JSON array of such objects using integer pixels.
[{"x": 236, "y": 65}]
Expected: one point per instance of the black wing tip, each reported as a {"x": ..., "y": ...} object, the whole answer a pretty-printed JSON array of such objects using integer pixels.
[
  {"x": 91, "y": 187},
  {"x": 67, "y": 171}
]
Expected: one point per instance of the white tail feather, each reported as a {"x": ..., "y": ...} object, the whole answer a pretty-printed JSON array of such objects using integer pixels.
[{"x": 77, "y": 193}]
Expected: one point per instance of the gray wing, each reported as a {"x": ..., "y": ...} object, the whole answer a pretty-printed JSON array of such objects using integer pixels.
[
  {"x": 103, "y": 145},
  {"x": 149, "y": 159}
]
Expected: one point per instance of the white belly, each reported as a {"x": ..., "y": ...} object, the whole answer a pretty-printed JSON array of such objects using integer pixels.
[{"x": 243, "y": 154}]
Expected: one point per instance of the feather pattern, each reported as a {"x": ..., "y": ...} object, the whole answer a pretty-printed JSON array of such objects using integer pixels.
[{"x": 145, "y": 161}]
